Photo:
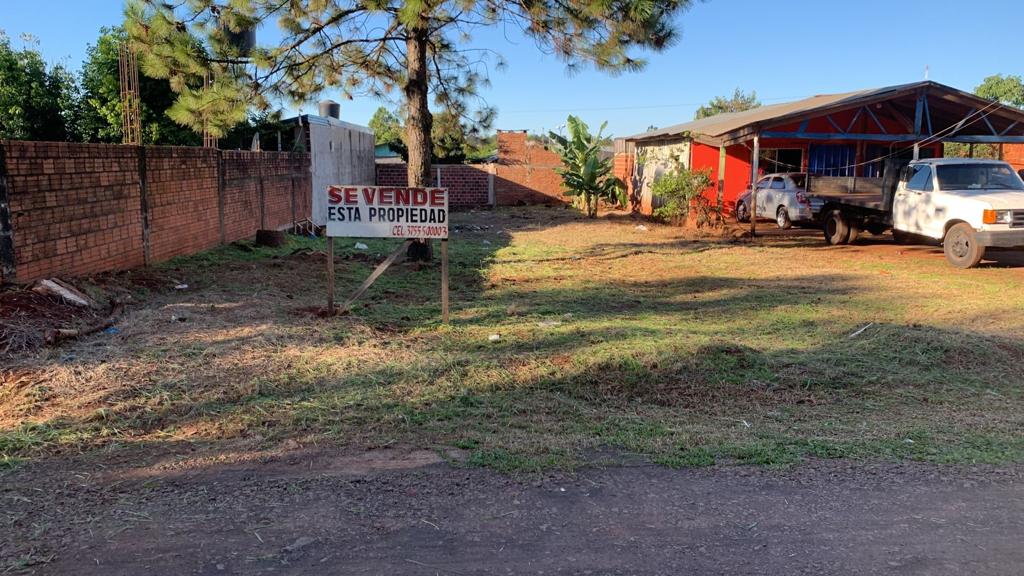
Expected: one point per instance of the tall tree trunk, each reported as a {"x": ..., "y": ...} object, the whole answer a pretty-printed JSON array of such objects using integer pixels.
[{"x": 418, "y": 123}]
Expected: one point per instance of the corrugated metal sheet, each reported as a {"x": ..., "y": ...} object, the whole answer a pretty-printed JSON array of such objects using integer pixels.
[{"x": 722, "y": 128}]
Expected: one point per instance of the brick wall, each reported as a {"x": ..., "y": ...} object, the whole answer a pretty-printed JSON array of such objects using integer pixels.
[
  {"x": 181, "y": 192},
  {"x": 523, "y": 174},
  {"x": 80, "y": 209},
  {"x": 468, "y": 184},
  {"x": 525, "y": 171},
  {"x": 1014, "y": 154},
  {"x": 75, "y": 208}
]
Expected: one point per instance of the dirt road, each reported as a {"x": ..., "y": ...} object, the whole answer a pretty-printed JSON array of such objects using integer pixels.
[{"x": 395, "y": 512}]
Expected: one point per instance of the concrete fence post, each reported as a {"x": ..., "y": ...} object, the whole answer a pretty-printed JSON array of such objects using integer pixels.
[
  {"x": 220, "y": 197},
  {"x": 491, "y": 199},
  {"x": 8, "y": 271},
  {"x": 263, "y": 200},
  {"x": 144, "y": 205}
]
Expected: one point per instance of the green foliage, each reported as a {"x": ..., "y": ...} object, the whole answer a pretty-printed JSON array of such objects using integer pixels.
[
  {"x": 585, "y": 174},
  {"x": 1007, "y": 89},
  {"x": 100, "y": 105},
  {"x": 682, "y": 190},
  {"x": 362, "y": 48},
  {"x": 739, "y": 102},
  {"x": 387, "y": 128},
  {"x": 37, "y": 101}
]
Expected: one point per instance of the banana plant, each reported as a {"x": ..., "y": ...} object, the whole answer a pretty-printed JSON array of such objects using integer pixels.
[{"x": 585, "y": 175}]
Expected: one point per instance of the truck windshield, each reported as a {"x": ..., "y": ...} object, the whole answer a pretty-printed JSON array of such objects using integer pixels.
[{"x": 978, "y": 177}]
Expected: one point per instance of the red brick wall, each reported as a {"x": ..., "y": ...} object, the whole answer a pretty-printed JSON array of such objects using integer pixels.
[
  {"x": 1014, "y": 154},
  {"x": 622, "y": 168},
  {"x": 525, "y": 171},
  {"x": 181, "y": 192},
  {"x": 524, "y": 174},
  {"x": 468, "y": 184},
  {"x": 77, "y": 209}
]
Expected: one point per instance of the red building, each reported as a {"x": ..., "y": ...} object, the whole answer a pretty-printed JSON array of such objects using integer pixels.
[{"x": 837, "y": 136}]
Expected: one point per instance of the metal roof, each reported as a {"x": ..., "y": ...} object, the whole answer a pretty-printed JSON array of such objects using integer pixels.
[
  {"x": 732, "y": 126},
  {"x": 325, "y": 121}
]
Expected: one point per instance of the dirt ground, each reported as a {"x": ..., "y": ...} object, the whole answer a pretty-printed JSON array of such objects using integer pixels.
[
  {"x": 657, "y": 402},
  {"x": 399, "y": 511}
]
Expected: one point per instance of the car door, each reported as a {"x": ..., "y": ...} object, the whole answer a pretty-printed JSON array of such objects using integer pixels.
[
  {"x": 775, "y": 197},
  {"x": 763, "y": 189},
  {"x": 910, "y": 210}
]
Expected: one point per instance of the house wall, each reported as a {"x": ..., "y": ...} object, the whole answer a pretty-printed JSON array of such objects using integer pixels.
[
  {"x": 653, "y": 160},
  {"x": 342, "y": 154},
  {"x": 81, "y": 209}
]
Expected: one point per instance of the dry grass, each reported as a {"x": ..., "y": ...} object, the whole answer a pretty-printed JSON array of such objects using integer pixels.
[{"x": 659, "y": 342}]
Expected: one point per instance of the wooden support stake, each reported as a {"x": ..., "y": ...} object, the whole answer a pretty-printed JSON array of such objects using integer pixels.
[
  {"x": 756, "y": 158},
  {"x": 330, "y": 274},
  {"x": 373, "y": 277},
  {"x": 444, "y": 280}
]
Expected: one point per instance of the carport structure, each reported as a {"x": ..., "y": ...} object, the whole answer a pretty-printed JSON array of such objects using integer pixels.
[{"x": 840, "y": 140}]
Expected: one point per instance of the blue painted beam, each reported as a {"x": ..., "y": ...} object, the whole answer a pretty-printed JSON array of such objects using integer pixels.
[
  {"x": 820, "y": 136},
  {"x": 892, "y": 137},
  {"x": 1008, "y": 128},
  {"x": 928, "y": 115},
  {"x": 986, "y": 139},
  {"x": 854, "y": 119},
  {"x": 875, "y": 118},
  {"x": 833, "y": 123}
]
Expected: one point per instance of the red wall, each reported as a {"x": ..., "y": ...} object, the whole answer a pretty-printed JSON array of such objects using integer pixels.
[
  {"x": 737, "y": 170},
  {"x": 80, "y": 209}
]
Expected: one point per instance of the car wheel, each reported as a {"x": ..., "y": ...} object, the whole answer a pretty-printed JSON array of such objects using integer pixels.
[
  {"x": 837, "y": 229},
  {"x": 782, "y": 218},
  {"x": 742, "y": 215},
  {"x": 961, "y": 246}
]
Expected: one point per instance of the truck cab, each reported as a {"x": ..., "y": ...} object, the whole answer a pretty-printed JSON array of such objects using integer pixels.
[{"x": 966, "y": 204}]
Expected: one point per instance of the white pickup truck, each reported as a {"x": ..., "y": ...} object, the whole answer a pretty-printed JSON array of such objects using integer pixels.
[{"x": 966, "y": 204}]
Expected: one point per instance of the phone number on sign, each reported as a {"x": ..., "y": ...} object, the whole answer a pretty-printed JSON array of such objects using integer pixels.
[{"x": 405, "y": 231}]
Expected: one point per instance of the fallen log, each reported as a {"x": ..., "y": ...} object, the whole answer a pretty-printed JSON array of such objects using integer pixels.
[{"x": 56, "y": 336}]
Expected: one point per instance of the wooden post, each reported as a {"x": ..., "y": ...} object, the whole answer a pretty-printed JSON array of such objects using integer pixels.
[
  {"x": 721, "y": 182},
  {"x": 376, "y": 274},
  {"x": 753, "y": 185},
  {"x": 444, "y": 280},
  {"x": 330, "y": 274}
]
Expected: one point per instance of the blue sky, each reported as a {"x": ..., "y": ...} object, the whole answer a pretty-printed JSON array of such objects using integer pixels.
[{"x": 785, "y": 50}]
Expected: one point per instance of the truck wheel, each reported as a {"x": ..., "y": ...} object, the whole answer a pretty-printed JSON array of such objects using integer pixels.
[
  {"x": 961, "y": 246},
  {"x": 854, "y": 234},
  {"x": 782, "y": 218},
  {"x": 837, "y": 230},
  {"x": 742, "y": 215}
]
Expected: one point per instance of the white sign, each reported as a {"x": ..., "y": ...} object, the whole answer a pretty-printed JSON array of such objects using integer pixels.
[{"x": 386, "y": 212}]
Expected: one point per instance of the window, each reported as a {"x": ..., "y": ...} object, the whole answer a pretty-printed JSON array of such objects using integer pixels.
[
  {"x": 831, "y": 159},
  {"x": 781, "y": 159},
  {"x": 764, "y": 182},
  {"x": 977, "y": 177},
  {"x": 778, "y": 183},
  {"x": 799, "y": 180},
  {"x": 921, "y": 180}
]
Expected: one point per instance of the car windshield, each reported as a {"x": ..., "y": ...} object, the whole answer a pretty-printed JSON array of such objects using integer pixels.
[
  {"x": 799, "y": 180},
  {"x": 978, "y": 177}
]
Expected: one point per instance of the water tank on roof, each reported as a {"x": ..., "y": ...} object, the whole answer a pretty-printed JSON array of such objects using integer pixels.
[
  {"x": 244, "y": 40},
  {"x": 330, "y": 109}
]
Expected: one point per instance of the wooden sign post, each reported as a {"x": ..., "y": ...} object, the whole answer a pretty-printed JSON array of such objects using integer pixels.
[{"x": 386, "y": 212}]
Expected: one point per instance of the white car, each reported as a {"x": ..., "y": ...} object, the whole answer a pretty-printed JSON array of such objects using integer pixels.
[{"x": 781, "y": 197}]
